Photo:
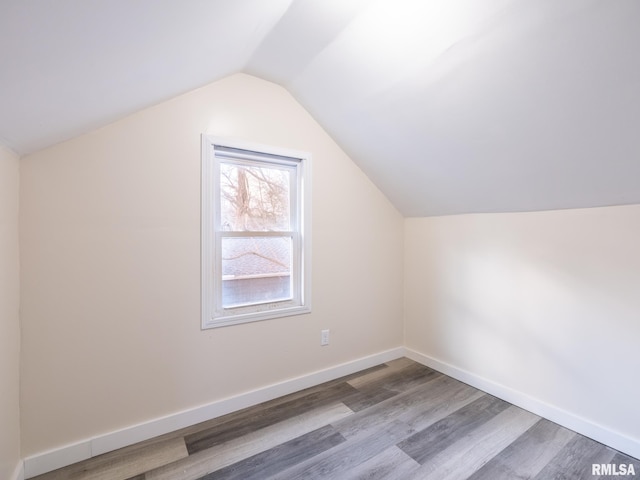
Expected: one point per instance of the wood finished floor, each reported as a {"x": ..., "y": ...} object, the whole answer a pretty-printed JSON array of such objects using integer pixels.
[{"x": 399, "y": 420}]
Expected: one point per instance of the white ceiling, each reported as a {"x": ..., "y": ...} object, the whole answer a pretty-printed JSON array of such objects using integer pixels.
[{"x": 450, "y": 106}]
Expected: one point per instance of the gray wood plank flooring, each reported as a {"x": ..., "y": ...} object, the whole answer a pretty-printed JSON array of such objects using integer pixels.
[{"x": 398, "y": 420}]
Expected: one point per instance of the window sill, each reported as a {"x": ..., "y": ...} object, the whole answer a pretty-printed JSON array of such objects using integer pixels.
[{"x": 226, "y": 320}]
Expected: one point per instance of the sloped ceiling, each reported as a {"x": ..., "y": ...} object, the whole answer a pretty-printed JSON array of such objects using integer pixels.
[{"x": 450, "y": 106}]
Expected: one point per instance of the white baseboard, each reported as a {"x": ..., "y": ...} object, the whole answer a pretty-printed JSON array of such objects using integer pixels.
[
  {"x": 18, "y": 473},
  {"x": 588, "y": 428},
  {"x": 66, "y": 455},
  {"x": 69, "y": 454}
]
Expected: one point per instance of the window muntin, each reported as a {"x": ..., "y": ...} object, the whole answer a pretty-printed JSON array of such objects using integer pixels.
[{"x": 255, "y": 222}]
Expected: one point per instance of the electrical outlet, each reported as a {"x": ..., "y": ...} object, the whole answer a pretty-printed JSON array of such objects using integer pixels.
[{"x": 324, "y": 337}]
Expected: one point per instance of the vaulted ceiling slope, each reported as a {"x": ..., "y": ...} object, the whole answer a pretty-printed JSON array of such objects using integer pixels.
[{"x": 450, "y": 106}]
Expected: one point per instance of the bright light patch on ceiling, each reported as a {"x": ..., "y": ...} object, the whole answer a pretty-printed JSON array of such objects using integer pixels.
[{"x": 393, "y": 35}]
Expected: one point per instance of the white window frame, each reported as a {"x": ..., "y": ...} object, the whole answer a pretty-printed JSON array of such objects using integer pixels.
[{"x": 215, "y": 149}]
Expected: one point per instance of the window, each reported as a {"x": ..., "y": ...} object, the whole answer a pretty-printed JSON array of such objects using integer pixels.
[{"x": 255, "y": 232}]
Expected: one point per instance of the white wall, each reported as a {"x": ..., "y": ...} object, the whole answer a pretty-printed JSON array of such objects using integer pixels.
[
  {"x": 545, "y": 304},
  {"x": 111, "y": 268},
  {"x": 9, "y": 320}
]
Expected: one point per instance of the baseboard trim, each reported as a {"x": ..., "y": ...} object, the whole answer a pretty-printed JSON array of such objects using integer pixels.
[
  {"x": 583, "y": 426},
  {"x": 18, "y": 473},
  {"x": 67, "y": 455}
]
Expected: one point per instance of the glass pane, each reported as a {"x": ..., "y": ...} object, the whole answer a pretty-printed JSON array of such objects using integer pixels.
[
  {"x": 254, "y": 198},
  {"x": 255, "y": 270}
]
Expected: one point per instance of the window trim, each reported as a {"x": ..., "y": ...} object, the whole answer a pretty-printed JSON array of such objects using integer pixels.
[{"x": 211, "y": 240}]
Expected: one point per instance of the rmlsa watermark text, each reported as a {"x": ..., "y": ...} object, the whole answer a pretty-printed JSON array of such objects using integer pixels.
[{"x": 613, "y": 469}]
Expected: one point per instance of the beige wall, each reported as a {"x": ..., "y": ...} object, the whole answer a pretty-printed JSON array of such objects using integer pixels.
[
  {"x": 111, "y": 268},
  {"x": 9, "y": 321},
  {"x": 543, "y": 303}
]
